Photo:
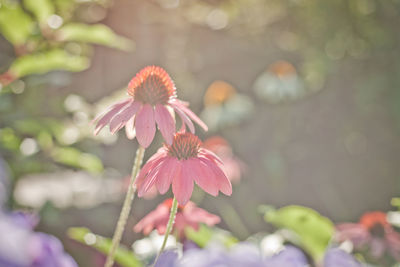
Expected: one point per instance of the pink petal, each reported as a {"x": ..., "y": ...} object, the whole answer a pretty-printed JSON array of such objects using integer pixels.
[
  {"x": 198, "y": 215},
  {"x": 203, "y": 176},
  {"x": 165, "y": 122},
  {"x": 354, "y": 232},
  {"x": 185, "y": 119},
  {"x": 145, "y": 126},
  {"x": 152, "y": 219},
  {"x": 144, "y": 172},
  {"x": 222, "y": 181},
  {"x": 125, "y": 115},
  {"x": 191, "y": 114},
  {"x": 393, "y": 242},
  {"x": 130, "y": 128},
  {"x": 107, "y": 117},
  {"x": 210, "y": 155},
  {"x": 150, "y": 178},
  {"x": 182, "y": 185},
  {"x": 167, "y": 173}
]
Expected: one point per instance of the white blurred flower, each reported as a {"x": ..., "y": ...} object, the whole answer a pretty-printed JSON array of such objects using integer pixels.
[
  {"x": 279, "y": 83},
  {"x": 67, "y": 188}
]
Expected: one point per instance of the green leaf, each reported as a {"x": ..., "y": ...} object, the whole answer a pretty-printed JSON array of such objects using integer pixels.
[
  {"x": 123, "y": 256},
  {"x": 313, "y": 230},
  {"x": 39, "y": 63},
  {"x": 9, "y": 139},
  {"x": 15, "y": 25},
  {"x": 73, "y": 157},
  {"x": 395, "y": 202},
  {"x": 97, "y": 34},
  {"x": 205, "y": 234},
  {"x": 42, "y": 9}
]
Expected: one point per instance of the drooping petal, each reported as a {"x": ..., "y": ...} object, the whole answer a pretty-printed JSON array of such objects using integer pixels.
[
  {"x": 182, "y": 185},
  {"x": 222, "y": 181},
  {"x": 196, "y": 214},
  {"x": 105, "y": 118},
  {"x": 191, "y": 114},
  {"x": 150, "y": 178},
  {"x": 151, "y": 220},
  {"x": 144, "y": 172},
  {"x": 211, "y": 155},
  {"x": 185, "y": 119},
  {"x": 125, "y": 115},
  {"x": 393, "y": 242},
  {"x": 165, "y": 122},
  {"x": 145, "y": 126},
  {"x": 166, "y": 174},
  {"x": 130, "y": 128},
  {"x": 354, "y": 232},
  {"x": 203, "y": 176}
]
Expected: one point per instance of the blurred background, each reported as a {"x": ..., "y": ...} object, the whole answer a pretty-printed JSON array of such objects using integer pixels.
[{"x": 305, "y": 92}]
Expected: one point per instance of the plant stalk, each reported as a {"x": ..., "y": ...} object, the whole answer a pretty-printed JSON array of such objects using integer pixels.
[
  {"x": 170, "y": 224},
  {"x": 126, "y": 208}
]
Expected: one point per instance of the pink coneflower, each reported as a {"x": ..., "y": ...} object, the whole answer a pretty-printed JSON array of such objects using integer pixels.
[
  {"x": 233, "y": 167},
  {"x": 152, "y": 91},
  {"x": 188, "y": 215},
  {"x": 372, "y": 232},
  {"x": 181, "y": 163}
]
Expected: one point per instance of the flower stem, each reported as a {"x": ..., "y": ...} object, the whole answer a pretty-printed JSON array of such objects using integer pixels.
[
  {"x": 126, "y": 208},
  {"x": 170, "y": 224}
]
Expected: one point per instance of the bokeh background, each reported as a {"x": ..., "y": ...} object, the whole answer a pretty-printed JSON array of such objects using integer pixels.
[{"x": 306, "y": 92}]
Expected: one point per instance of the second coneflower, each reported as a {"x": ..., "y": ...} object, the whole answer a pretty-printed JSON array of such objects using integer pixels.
[
  {"x": 152, "y": 91},
  {"x": 188, "y": 215},
  {"x": 183, "y": 162}
]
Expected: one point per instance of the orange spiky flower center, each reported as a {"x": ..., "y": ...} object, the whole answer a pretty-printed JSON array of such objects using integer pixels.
[
  {"x": 168, "y": 203},
  {"x": 184, "y": 146},
  {"x": 152, "y": 85},
  {"x": 375, "y": 222}
]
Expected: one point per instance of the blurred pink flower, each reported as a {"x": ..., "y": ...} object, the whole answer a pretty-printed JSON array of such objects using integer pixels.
[
  {"x": 233, "y": 167},
  {"x": 188, "y": 215},
  {"x": 182, "y": 163},
  {"x": 152, "y": 92},
  {"x": 373, "y": 232}
]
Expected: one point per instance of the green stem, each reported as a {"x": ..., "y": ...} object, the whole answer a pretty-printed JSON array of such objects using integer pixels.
[
  {"x": 126, "y": 208},
  {"x": 170, "y": 224}
]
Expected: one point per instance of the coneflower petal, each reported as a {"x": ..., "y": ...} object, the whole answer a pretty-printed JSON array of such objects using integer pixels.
[
  {"x": 182, "y": 185},
  {"x": 196, "y": 214},
  {"x": 222, "y": 181},
  {"x": 125, "y": 115},
  {"x": 203, "y": 176},
  {"x": 165, "y": 123},
  {"x": 210, "y": 155},
  {"x": 149, "y": 179},
  {"x": 185, "y": 119},
  {"x": 144, "y": 172},
  {"x": 145, "y": 126},
  {"x": 191, "y": 114},
  {"x": 107, "y": 116},
  {"x": 167, "y": 173}
]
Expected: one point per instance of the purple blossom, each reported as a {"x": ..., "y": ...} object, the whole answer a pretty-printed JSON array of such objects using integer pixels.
[
  {"x": 338, "y": 257},
  {"x": 290, "y": 257},
  {"x": 21, "y": 247},
  {"x": 168, "y": 259},
  {"x": 245, "y": 254}
]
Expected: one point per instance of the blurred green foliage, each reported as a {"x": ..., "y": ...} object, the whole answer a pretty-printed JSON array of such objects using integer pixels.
[
  {"x": 41, "y": 31},
  {"x": 204, "y": 235},
  {"x": 47, "y": 36},
  {"x": 123, "y": 256},
  {"x": 313, "y": 230}
]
